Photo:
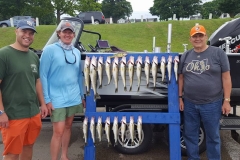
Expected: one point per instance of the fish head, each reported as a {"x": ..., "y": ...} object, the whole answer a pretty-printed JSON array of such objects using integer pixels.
[
  {"x": 131, "y": 61},
  {"x": 87, "y": 61},
  {"x": 147, "y": 60},
  {"x": 116, "y": 119},
  {"x": 155, "y": 60},
  {"x": 85, "y": 121},
  {"x": 124, "y": 120},
  {"x": 115, "y": 61},
  {"x": 139, "y": 60},
  {"x": 163, "y": 59},
  {"x": 92, "y": 120},
  {"x": 140, "y": 119},
  {"x": 131, "y": 119},
  {"x": 100, "y": 120},
  {"x": 100, "y": 60},
  {"x": 108, "y": 61},
  {"x": 123, "y": 60},
  {"x": 108, "y": 120},
  {"x": 93, "y": 63},
  {"x": 176, "y": 59},
  {"x": 170, "y": 59}
]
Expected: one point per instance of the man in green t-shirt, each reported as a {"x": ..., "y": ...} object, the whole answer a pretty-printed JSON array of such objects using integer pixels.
[{"x": 20, "y": 94}]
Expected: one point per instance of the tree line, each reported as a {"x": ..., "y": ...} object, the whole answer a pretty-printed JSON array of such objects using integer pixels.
[
  {"x": 49, "y": 11},
  {"x": 185, "y": 8}
]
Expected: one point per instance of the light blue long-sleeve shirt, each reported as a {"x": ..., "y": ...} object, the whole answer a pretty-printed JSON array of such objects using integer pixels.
[{"x": 62, "y": 82}]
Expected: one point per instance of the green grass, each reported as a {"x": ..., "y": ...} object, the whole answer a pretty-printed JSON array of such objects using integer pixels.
[{"x": 130, "y": 37}]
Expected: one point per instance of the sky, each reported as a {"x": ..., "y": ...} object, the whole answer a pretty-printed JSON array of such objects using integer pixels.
[{"x": 141, "y": 7}]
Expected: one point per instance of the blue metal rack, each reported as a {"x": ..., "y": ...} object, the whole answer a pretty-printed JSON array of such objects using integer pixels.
[{"x": 172, "y": 117}]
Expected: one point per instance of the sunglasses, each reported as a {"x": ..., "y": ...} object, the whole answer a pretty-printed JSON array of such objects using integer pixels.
[{"x": 66, "y": 57}]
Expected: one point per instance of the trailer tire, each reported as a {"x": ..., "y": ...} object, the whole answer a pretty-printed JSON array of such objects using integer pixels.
[
  {"x": 137, "y": 147},
  {"x": 202, "y": 140}
]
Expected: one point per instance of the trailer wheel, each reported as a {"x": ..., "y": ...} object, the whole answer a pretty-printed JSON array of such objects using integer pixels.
[
  {"x": 129, "y": 147},
  {"x": 201, "y": 142}
]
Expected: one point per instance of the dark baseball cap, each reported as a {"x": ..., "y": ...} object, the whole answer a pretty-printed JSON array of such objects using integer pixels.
[
  {"x": 66, "y": 25},
  {"x": 23, "y": 24}
]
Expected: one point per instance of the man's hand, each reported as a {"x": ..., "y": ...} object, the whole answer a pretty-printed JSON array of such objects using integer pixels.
[
  {"x": 84, "y": 103},
  {"x": 4, "y": 123},
  {"x": 44, "y": 111},
  {"x": 226, "y": 108},
  {"x": 181, "y": 104},
  {"x": 50, "y": 108}
]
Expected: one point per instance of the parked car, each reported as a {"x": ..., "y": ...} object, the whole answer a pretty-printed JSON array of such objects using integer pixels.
[
  {"x": 97, "y": 15},
  {"x": 7, "y": 23}
]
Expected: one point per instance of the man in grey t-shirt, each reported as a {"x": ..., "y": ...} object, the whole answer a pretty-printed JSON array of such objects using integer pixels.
[{"x": 204, "y": 79}]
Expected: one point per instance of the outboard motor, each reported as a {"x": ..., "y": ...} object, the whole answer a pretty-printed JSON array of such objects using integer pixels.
[{"x": 228, "y": 29}]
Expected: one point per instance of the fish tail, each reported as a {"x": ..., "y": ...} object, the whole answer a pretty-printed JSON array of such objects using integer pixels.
[
  {"x": 96, "y": 96},
  {"x": 130, "y": 89},
  {"x": 138, "y": 88},
  {"x": 125, "y": 88}
]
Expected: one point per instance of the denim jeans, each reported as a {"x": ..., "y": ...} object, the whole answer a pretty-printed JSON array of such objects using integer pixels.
[{"x": 210, "y": 115}]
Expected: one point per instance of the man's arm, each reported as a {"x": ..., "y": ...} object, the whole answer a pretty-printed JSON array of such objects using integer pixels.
[
  {"x": 3, "y": 118},
  {"x": 227, "y": 87},
  {"x": 180, "y": 91},
  {"x": 39, "y": 90}
]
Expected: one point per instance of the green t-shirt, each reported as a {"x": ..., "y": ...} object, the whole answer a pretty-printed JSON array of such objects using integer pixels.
[{"x": 19, "y": 71}]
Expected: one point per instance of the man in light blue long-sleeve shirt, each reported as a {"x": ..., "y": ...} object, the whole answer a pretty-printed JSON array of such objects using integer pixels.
[{"x": 61, "y": 76}]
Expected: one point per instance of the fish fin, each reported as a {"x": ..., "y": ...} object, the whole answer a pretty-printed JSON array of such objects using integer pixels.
[
  {"x": 125, "y": 88},
  {"x": 100, "y": 86},
  {"x": 116, "y": 90}
]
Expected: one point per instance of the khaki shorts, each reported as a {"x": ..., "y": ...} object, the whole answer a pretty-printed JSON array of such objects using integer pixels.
[
  {"x": 20, "y": 132},
  {"x": 60, "y": 114}
]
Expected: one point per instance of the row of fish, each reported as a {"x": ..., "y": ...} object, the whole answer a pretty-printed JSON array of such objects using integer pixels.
[
  {"x": 123, "y": 128},
  {"x": 92, "y": 68}
]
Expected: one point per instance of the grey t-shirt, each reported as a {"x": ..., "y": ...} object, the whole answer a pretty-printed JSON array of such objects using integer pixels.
[{"x": 202, "y": 74}]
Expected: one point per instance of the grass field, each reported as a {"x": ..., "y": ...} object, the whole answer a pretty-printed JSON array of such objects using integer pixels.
[{"x": 130, "y": 37}]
